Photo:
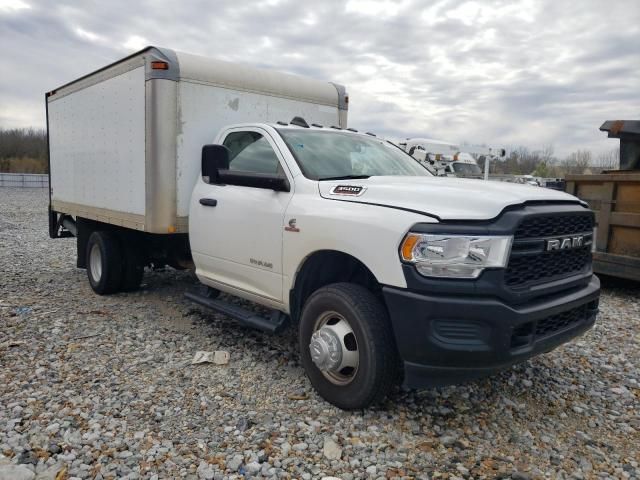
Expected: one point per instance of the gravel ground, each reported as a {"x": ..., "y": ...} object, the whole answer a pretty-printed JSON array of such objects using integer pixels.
[{"x": 102, "y": 387}]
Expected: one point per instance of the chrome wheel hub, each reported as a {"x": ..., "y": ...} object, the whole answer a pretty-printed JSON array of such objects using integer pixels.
[
  {"x": 325, "y": 349},
  {"x": 95, "y": 263},
  {"x": 334, "y": 349}
]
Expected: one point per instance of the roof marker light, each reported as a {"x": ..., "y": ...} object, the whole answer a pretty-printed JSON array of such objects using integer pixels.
[
  {"x": 158, "y": 65},
  {"x": 300, "y": 122}
]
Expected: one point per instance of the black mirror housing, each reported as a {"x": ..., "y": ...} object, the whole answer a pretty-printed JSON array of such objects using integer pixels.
[
  {"x": 214, "y": 159},
  {"x": 215, "y": 169},
  {"x": 270, "y": 181}
]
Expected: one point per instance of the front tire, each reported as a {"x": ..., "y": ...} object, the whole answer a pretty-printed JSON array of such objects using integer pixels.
[
  {"x": 104, "y": 262},
  {"x": 347, "y": 347}
]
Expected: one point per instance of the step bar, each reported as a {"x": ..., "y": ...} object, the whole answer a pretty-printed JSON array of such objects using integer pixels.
[{"x": 276, "y": 323}]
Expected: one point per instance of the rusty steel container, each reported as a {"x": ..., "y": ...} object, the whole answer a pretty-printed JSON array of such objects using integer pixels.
[{"x": 615, "y": 197}]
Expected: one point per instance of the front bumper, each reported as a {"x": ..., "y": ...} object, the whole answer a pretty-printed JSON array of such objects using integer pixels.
[{"x": 447, "y": 339}]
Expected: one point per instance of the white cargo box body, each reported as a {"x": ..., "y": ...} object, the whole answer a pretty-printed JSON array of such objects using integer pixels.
[{"x": 125, "y": 142}]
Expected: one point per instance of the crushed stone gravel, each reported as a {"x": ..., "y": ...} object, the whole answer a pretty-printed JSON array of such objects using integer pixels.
[{"x": 103, "y": 387}]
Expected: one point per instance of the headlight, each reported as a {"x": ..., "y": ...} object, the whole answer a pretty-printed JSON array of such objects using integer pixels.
[{"x": 455, "y": 256}]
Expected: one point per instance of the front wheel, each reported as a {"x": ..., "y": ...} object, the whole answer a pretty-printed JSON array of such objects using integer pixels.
[{"x": 347, "y": 346}]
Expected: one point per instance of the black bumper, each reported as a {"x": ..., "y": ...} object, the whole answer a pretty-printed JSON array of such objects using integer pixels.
[{"x": 450, "y": 339}]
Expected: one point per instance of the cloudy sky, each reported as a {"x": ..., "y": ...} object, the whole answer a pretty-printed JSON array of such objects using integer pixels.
[{"x": 521, "y": 72}]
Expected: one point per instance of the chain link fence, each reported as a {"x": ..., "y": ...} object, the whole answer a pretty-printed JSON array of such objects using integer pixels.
[{"x": 24, "y": 180}]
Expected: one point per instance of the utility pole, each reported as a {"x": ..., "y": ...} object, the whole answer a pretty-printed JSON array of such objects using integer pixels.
[{"x": 487, "y": 160}]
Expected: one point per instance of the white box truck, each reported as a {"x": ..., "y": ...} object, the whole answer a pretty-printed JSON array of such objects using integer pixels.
[{"x": 251, "y": 178}]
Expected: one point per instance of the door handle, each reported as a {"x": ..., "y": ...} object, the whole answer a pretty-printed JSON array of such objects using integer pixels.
[{"x": 208, "y": 202}]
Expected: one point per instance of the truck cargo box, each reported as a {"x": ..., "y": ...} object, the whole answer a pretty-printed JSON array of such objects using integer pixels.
[{"x": 125, "y": 141}]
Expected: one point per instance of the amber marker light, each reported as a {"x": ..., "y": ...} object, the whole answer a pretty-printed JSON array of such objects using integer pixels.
[
  {"x": 159, "y": 65},
  {"x": 406, "y": 250}
]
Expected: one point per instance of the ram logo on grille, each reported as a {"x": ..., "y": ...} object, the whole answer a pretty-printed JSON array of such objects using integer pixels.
[{"x": 565, "y": 243}]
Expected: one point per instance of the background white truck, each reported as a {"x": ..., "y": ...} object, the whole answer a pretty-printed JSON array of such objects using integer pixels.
[
  {"x": 450, "y": 159},
  {"x": 388, "y": 273}
]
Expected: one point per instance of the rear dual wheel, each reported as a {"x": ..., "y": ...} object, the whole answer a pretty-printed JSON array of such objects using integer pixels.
[{"x": 112, "y": 264}]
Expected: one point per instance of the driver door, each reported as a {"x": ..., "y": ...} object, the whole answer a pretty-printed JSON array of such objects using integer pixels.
[{"x": 237, "y": 242}]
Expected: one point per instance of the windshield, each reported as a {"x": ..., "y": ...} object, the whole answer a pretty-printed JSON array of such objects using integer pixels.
[
  {"x": 466, "y": 168},
  {"x": 324, "y": 155}
]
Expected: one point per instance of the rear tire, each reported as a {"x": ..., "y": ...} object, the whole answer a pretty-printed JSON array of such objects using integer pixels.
[
  {"x": 104, "y": 262},
  {"x": 364, "y": 324}
]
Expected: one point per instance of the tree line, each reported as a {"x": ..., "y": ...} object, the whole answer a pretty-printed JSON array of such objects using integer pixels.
[
  {"x": 23, "y": 150},
  {"x": 543, "y": 162}
]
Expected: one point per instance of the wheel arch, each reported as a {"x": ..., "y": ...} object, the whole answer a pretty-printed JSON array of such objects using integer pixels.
[{"x": 324, "y": 267}]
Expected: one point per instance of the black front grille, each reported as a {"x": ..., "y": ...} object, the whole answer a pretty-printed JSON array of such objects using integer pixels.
[
  {"x": 530, "y": 332},
  {"x": 554, "y": 226},
  {"x": 561, "y": 321},
  {"x": 531, "y": 269},
  {"x": 530, "y": 263}
]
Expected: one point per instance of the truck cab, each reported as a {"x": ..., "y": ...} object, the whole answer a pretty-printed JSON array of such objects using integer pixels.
[
  {"x": 463, "y": 165},
  {"x": 381, "y": 264}
]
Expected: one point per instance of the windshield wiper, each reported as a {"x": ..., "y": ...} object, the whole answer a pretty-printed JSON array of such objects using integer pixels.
[{"x": 345, "y": 177}]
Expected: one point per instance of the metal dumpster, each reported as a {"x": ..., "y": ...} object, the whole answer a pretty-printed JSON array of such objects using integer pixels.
[{"x": 615, "y": 197}]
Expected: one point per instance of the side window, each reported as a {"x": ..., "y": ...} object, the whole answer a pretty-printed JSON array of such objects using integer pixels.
[{"x": 251, "y": 152}]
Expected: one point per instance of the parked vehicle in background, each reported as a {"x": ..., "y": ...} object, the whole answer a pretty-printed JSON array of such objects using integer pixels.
[
  {"x": 554, "y": 183},
  {"x": 615, "y": 197},
  {"x": 464, "y": 166},
  {"x": 528, "y": 180},
  {"x": 486, "y": 154},
  {"x": 435, "y": 155},
  {"x": 449, "y": 159},
  {"x": 386, "y": 271}
]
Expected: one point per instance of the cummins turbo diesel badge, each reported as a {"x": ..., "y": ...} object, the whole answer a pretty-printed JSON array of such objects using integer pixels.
[{"x": 354, "y": 190}]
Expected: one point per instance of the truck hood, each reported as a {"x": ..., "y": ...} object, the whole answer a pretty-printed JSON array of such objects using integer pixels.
[{"x": 439, "y": 197}]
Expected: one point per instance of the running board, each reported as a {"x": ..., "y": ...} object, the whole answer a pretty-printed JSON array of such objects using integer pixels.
[{"x": 274, "y": 324}]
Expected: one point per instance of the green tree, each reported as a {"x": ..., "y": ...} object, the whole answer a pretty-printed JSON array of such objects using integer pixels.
[{"x": 542, "y": 170}]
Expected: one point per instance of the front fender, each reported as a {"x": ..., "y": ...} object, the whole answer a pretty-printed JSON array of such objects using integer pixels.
[{"x": 369, "y": 233}]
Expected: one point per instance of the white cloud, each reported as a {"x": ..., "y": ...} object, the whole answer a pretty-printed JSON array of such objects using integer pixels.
[
  {"x": 379, "y": 8},
  {"x": 86, "y": 35},
  {"x": 13, "y": 5},
  {"x": 467, "y": 13},
  {"x": 310, "y": 19},
  {"x": 135, "y": 42},
  {"x": 526, "y": 72}
]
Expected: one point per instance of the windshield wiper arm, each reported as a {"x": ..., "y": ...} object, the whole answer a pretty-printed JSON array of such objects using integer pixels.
[{"x": 345, "y": 177}]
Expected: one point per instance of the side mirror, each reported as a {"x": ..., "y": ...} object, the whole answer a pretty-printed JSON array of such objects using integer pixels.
[
  {"x": 214, "y": 159},
  {"x": 270, "y": 181}
]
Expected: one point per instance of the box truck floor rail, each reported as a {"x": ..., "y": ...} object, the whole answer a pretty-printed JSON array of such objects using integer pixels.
[{"x": 251, "y": 178}]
